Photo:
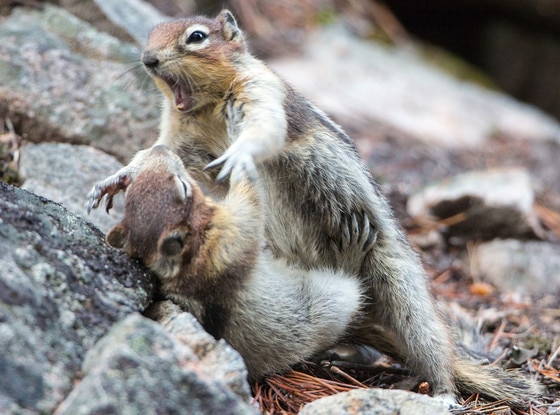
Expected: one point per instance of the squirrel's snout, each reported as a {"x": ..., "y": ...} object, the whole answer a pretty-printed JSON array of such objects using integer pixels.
[{"x": 149, "y": 59}]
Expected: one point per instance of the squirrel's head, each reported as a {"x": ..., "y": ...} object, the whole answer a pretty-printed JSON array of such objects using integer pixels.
[
  {"x": 193, "y": 59},
  {"x": 160, "y": 223}
]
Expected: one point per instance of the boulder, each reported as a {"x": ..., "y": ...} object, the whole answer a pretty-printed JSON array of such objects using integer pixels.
[
  {"x": 376, "y": 402},
  {"x": 61, "y": 289},
  {"x": 481, "y": 204},
  {"x": 526, "y": 268},
  {"x": 65, "y": 173},
  {"x": 136, "y": 17},
  {"x": 363, "y": 83},
  {"x": 62, "y": 80},
  {"x": 139, "y": 368},
  {"x": 128, "y": 20},
  {"x": 216, "y": 356}
]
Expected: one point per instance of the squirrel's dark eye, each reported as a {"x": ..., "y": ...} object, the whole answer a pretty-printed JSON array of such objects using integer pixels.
[{"x": 196, "y": 37}]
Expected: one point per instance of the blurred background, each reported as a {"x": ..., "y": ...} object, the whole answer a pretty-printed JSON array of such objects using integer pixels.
[{"x": 515, "y": 43}]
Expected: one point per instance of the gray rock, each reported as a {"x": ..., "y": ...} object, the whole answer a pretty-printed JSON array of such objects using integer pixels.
[
  {"x": 62, "y": 80},
  {"x": 128, "y": 20},
  {"x": 136, "y": 17},
  {"x": 522, "y": 267},
  {"x": 139, "y": 368},
  {"x": 376, "y": 402},
  {"x": 89, "y": 11},
  {"x": 65, "y": 173},
  {"x": 364, "y": 83},
  {"x": 61, "y": 289},
  {"x": 495, "y": 203},
  {"x": 218, "y": 358}
]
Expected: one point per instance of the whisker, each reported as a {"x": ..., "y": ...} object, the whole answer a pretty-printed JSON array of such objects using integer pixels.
[
  {"x": 136, "y": 81},
  {"x": 128, "y": 85},
  {"x": 138, "y": 65},
  {"x": 148, "y": 78}
]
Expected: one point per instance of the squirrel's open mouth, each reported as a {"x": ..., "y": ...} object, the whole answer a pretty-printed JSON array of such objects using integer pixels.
[{"x": 183, "y": 95}]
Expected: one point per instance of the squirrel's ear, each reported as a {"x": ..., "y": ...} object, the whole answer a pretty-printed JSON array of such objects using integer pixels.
[
  {"x": 229, "y": 26},
  {"x": 171, "y": 244},
  {"x": 115, "y": 237}
]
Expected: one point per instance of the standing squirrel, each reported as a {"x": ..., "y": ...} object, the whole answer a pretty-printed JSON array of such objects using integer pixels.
[
  {"x": 210, "y": 259},
  {"x": 222, "y": 107}
]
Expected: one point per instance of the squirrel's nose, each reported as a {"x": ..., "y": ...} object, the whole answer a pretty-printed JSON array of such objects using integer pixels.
[{"x": 149, "y": 59}]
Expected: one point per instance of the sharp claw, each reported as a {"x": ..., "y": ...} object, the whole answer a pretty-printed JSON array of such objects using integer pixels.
[
  {"x": 88, "y": 204},
  {"x": 369, "y": 234},
  {"x": 366, "y": 222},
  {"x": 222, "y": 175},
  {"x": 214, "y": 163},
  {"x": 92, "y": 203},
  {"x": 355, "y": 229},
  {"x": 108, "y": 203},
  {"x": 346, "y": 230},
  {"x": 372, "y": 238},
  {"x": 364, "y": 231}
]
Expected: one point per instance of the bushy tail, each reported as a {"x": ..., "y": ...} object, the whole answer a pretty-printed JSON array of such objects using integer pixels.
[{"x": 495, "y": 383}]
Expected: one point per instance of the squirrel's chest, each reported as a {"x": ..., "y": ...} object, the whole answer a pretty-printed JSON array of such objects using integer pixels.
[
  {"x": 207, "y": 130},
  {"x": 217, "y": 125}
]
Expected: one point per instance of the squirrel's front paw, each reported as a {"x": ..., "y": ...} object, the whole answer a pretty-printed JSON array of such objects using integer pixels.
[
  {"x": 235, "y": 163},
  {"x": 110, "y": 187}
]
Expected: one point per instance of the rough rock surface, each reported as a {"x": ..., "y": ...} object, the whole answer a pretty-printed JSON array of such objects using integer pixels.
[
  {"x": 225, "y": 364},
  {"x": 61, "y": 289},
  {"x": 89, "y": 11},
  {"x": 60, "y": 79},
  {"x": 136, "y": 17},
  {"x": 376, "y": 402},
  {"x": 514, "y": 266},
  {"x": 361, "y": 83},
  {"x": 78, "y": 168},
  {"x": 139, "y": 368},
  {"x": 495, "y": 203}
]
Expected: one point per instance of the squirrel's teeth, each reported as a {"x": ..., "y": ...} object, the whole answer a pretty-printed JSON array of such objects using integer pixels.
[
  {"x": 179, "y": 99},
  {"x": 183, "y": 99}
]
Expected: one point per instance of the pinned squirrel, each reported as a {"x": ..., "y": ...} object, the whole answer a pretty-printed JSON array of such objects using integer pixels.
[
  {"x": 224, "y": 108},
  {"x": 210, "y": 259}
]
